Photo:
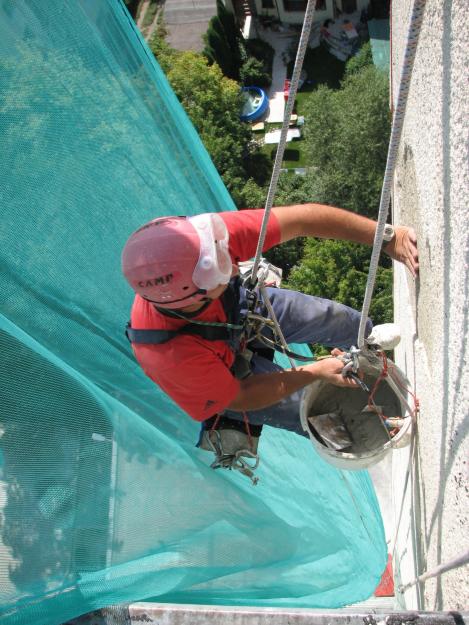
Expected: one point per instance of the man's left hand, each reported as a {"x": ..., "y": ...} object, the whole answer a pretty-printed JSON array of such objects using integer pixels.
[{"x": 403, "y": 248}]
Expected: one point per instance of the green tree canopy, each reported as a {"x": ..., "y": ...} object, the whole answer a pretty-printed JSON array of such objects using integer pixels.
[
  {"x": 217, "y": 48},
  {"x": 222, "y": 42},
  {"x": 346, "y": 135},
  {"x": 252, "y": 73},
  {"x": 213, "y": 103},
  {"x": 363, "y": 59},
  {"x": 338, "y": 270},
  {"x": 230, "y": 30}
]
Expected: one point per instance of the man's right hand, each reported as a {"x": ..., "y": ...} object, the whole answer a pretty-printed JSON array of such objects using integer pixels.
[
  {"x": 330, "y": 370},
  {"x": 403, "y": 248}
]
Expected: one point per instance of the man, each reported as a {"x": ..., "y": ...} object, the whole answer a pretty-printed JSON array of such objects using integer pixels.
[{"x": 183, "y": 269}]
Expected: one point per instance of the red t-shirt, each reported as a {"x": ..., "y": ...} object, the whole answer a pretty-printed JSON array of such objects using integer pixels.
[{"x": 195, "y": 372}]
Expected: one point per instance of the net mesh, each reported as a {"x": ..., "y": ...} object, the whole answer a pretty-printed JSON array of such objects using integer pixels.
[{"x": 103, "y": 496}]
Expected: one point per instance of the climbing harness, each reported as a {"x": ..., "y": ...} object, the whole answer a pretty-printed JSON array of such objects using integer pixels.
[
  {"x": 245, "y": 331},
  {"x": 233, "y": 443}
]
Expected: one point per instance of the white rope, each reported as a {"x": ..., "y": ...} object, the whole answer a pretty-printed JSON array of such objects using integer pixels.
[
  {"x": 455, "y": 563},
  {"x": 304, "y": 39},
  {"x": 358, "y": 511},
  {"x": 278, "y": 329},
  {"x": 409, "y": 471},
  {"x": 396, "y": 131}
]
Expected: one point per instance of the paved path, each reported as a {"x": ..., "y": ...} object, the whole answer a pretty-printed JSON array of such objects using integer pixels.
[
  {"x": 153, "y": 25},
  {"x": 280, "y": 43},
  {"x": 143, "y": 10},
  {"x": 187, "y": 22}
]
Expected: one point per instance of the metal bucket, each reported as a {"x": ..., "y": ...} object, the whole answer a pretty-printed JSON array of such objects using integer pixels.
[{"x": 370, "y": 439}]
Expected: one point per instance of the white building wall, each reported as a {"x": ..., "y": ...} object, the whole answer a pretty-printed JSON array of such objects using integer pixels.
[
  {"x": 296, "y": 17},
  {"x": 293, "y": 17},
  {"x": 431, "y": 194}
]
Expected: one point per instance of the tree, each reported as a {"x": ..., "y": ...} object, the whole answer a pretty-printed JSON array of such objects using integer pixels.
[
  {"x": 338, "y": 270},
  {"x": 132, "y": 7},
  {"x": 160, "y": 48},
  {"x": 252, "y": 73},
  {"x": 230, "y": 29},
  {"x": 291, "y": 189},
  {"x": 217, "y": 49},
  {"x": 346, "y": 136},
  {"x": 213, "y": 103},
  {"x": 222, "y": 42},
  {"x": 363, "y": 59}
]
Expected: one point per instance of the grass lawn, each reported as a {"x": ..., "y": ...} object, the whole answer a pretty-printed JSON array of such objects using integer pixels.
[
  {"x": 322, "y": 69},
  {"x": 262, "y": 51},
  {"x": 292, "y": 157}
]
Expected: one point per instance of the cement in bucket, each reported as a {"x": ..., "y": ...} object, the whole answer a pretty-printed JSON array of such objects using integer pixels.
[{"x": 369, "y": 438}]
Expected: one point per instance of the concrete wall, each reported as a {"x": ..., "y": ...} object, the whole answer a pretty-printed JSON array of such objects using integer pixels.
[{"x": 431, "y": 194}]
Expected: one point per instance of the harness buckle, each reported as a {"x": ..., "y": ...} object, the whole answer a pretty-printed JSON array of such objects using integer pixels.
[
  {"x": 241, "y": 368},
  {"x": 234, "y": 447},
  {"x": 267, "y": 274}
]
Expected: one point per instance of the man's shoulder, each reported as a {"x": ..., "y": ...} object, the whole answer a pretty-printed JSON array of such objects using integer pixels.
[
  {"x": 144, "y": 316},
  {"x": 242, "y": 217},
  {"x": 244, "y": 227}
]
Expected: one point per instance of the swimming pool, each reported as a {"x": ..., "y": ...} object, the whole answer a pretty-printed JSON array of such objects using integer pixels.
[{"x": 255, "y": 105}]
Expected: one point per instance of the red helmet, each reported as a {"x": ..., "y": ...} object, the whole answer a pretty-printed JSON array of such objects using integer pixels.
[{"x": 174, "y": 261}]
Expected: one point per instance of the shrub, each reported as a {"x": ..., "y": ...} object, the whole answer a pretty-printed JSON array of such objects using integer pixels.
[
  {"x": 262, "y": 51},
  {"x": 361, "y": 60},
  {"x": 217, "y": 49},
  {"x": 252, "y": 73}
]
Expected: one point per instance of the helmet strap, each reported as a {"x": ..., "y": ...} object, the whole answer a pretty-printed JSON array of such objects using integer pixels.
[{"x": 169, "y": 312}]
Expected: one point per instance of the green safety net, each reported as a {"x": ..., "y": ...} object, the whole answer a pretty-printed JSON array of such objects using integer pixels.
[{"x": 104, "y": 497}]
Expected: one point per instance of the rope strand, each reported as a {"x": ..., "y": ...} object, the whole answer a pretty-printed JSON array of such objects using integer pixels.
[
  {"x": 455, "y": 563},
  {"x": 396, "y": 131},
  {"x": 304, "y": 39}
]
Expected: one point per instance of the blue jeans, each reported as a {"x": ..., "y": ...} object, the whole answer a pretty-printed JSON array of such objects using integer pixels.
[{"x": 302, "y": 319}]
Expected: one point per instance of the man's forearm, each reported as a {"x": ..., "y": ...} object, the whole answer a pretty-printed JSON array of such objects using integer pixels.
[
  {"x": 328, "y": 222},
  {"x": 266, "y": 389}
]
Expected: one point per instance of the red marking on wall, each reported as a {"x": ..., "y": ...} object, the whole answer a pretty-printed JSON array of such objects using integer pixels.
[{"x": 385, "y": 587}]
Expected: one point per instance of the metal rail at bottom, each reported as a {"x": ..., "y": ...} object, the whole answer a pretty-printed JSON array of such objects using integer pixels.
[{"x": 172, "y": 614}]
